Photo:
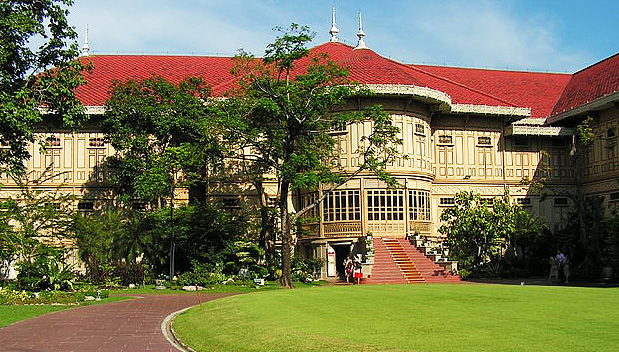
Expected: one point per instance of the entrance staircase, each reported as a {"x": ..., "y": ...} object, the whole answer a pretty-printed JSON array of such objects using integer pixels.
[{"x": 397, "y": 261}]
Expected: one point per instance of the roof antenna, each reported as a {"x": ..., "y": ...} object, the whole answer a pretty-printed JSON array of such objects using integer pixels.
[
  {"x": 360, "y": 34},
  {"x": 334, "y": 31},
  {"x": 86, "y": 47}
]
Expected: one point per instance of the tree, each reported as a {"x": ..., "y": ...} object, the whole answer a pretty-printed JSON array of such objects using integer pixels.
[
  {"x": 33, "y": 220},
  {"x": 587, "y": 217},
  {"x": 36, "y": 83},
  {"x": 286, "y": 121},
  {"x": 479, "y": 230},
  {"x": 159, "y": 129}
]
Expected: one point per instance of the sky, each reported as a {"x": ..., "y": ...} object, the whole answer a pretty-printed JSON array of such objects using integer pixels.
[{"x": 530, "y": 35}]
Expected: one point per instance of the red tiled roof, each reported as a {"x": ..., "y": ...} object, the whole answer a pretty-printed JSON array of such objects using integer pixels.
[
  {"x": 108, "y": 68},
  {"x": 587, "y": 85},
  {"x": 536, "y": 90},
  {"x": 365, "y": 66}
]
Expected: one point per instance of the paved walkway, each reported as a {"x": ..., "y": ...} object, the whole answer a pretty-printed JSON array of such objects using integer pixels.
[{"x": 131, "y": 325}]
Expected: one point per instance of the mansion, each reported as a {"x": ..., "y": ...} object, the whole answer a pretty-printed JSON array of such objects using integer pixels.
[{"x": 463, "y": 129}]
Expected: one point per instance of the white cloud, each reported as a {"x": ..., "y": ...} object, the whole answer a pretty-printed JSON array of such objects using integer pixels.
[{"x": 482, "y": 33}]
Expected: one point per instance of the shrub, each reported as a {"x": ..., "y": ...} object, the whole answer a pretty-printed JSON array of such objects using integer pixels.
[
  {"x": 17, "y": 297},
  {"x": 131, "y": 273},
  {"x": 202, "y": 275},
  {"x": 304, "y": 268},
  {"x": 45, "y": 272}
]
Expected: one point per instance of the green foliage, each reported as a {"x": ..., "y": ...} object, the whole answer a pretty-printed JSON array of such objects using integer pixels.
[
  {"x": 111, "y": 240},
  {"x": 480, "y": 231},
  {"x": 34, "y": 76},
  {"x": 243, "y": 255},
  {"x": 46, "y": 271},
  {"x": 132, "y": 273},
  {"x": 202, "y": 275},
  {"x": 599, "y": 248},
  {"x": 585, "y": 132},
  {"x": 286, "y": 122},
  {"x": 304, "y": 269},
  {"x": 9, "y": 296},
  {"x": 160, "y": 129},
  {"x": 32, "y": 219}
]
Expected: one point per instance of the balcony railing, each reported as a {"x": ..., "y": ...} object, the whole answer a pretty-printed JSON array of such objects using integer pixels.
[
  {"x": 338, "y": 229},
  {"x": 419, "y": 226}
]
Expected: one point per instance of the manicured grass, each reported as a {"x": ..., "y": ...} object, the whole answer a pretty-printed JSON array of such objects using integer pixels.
[
  {"x": 468, "y": 317},
  {"x": 15, "y": 313}
]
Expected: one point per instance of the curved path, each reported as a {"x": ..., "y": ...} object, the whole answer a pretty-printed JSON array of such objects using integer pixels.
[{"x": 130, "y": 325}]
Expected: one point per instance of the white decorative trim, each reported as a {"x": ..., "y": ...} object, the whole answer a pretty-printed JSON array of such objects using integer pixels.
[
  {"x": 523, "y": 130},
  {"x": 536, "y": 121},
  {"x": 95, "y": 110},
  {"x": 89, "y": 110},
  {"x": 585, "y": 108},
  {"x": 490, "y": 110},
  {"x": 405, "y": 89},
  {"x": 445, "y": 100}
]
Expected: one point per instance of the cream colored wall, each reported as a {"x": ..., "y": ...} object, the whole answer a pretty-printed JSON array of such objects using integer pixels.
[
  {"x": 70, "y": 164},
  {"x": 601, "y": 170}
]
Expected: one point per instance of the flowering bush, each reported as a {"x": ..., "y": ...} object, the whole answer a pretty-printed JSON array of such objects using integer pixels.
[{"x": 10, "y": 296}]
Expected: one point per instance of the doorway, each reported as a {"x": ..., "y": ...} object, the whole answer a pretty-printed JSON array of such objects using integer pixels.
[{"x": 342, "y": 250}]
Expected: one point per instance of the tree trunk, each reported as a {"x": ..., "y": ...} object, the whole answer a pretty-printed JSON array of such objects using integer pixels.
[
  {"x": 286, "y": 279},
  {"x": 580, "y": 206}
]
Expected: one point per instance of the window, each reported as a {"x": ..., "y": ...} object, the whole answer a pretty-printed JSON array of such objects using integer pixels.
[
  {"x": 524, "y": 201},
  {"x": 447, "y": 201},
  {"x": 96, "y": 143},
  {"x": 85, "y": 206},
  {"x": 338, "y": 128},
  {"x": 385, "y": 205},
  {"x": 560, "y": 202},
  {"x": 52, "y": 142},
  {"x": 419, "y": 205},
  {"x": 611, "y": 132},
  {"x": 342, "y": 206},
  {"x": 231, "y": 202},
  {"x": 484, "y": 141},
  {"x": 614, "y": 196},
  {"x": 420, "y": 129},
  {"x": 307, "y": 200},
  {"x": 445, "y": 140}
]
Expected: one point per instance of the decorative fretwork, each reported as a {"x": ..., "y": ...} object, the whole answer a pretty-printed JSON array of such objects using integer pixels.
[
  {"x": 337, "y": 229},
  {"x": 419, "y": 226}
]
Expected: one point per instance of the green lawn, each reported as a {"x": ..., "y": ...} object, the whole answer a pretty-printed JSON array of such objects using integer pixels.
[
  {"x": 11, "y": 314},
  {"x": 469, "y": 317}
]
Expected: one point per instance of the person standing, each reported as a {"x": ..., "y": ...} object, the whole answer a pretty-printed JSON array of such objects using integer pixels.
[
  {"x": 566, "y": 270},
  {"x": 348, "y": 268},
  {"x": 554, "y": 269}
]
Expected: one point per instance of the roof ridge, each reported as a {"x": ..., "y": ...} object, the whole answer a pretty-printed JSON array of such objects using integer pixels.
[
  {"x": 596, "y": 64},
  {"x": 413, "y": 67}
]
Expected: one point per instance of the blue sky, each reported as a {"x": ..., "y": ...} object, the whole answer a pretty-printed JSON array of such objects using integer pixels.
[{"x": 541, "y": 35}]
